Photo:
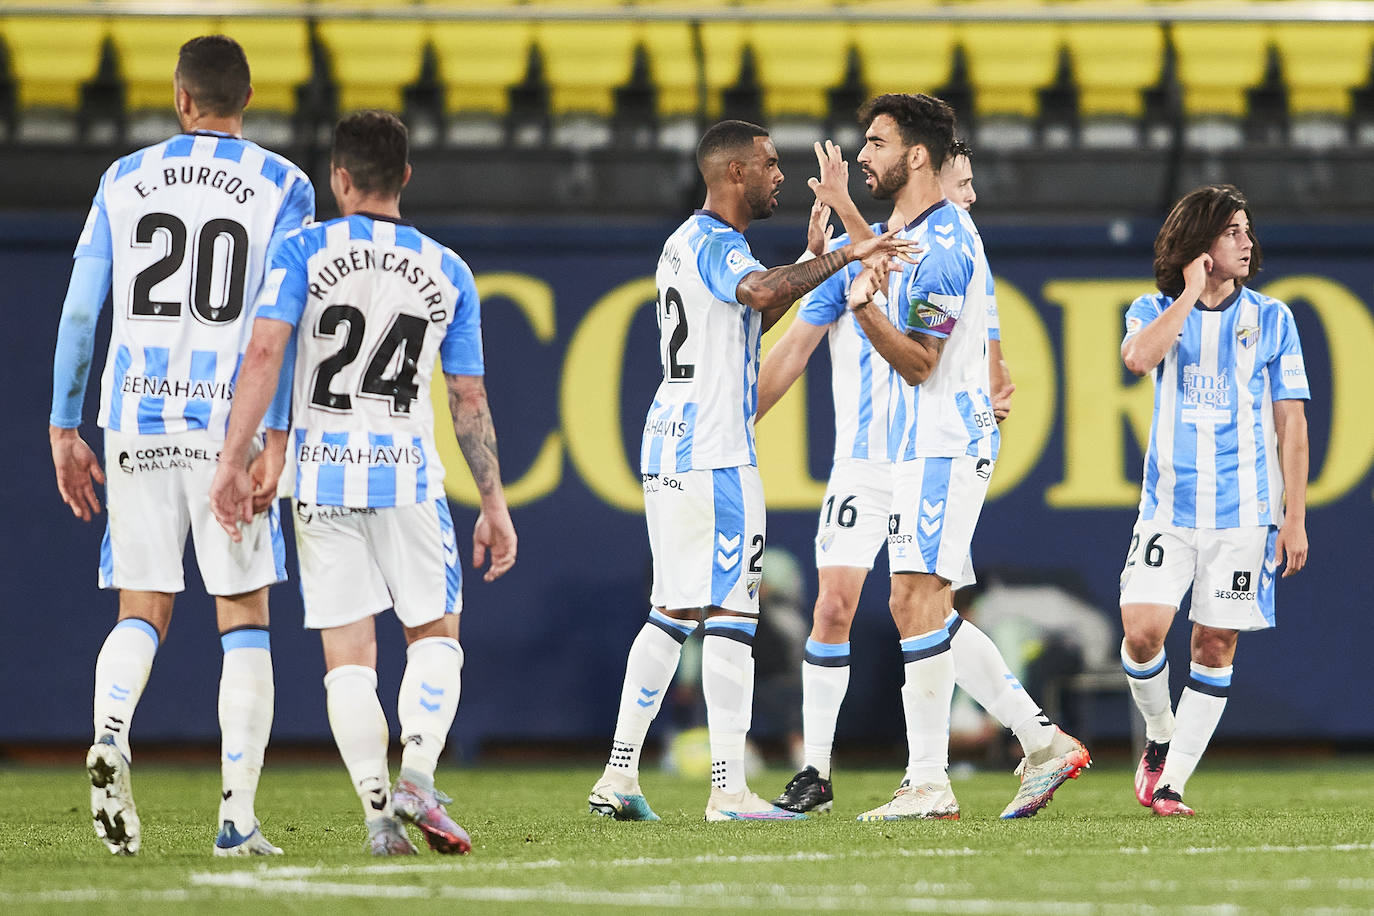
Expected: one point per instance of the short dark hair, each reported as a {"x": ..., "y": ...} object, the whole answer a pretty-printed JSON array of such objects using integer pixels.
[
  {"x": 373, "y": 147},
  {"x": 920, "y": 118},
  {"x": 1191, "y": 228},
  {"x": 959, "y": 148},
  {"x": 214, "y": 70},
  {"x": 727, "y": 137}
]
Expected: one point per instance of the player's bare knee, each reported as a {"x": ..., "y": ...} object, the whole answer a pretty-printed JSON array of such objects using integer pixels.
[
  {"x": 1214, "y": 647},
  {"x": 832, "y": 619}
]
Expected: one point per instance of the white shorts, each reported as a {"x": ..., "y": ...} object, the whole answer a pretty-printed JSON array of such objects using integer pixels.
[
  {"x": 358, "y": 562},
  {"x": 853, "y": 518},
  {"x": 156, "y": 489},
  {"x": 706, "y": 534},
  {"x": 935, "y": 507},
  {"x": 1231, "y": 572}
]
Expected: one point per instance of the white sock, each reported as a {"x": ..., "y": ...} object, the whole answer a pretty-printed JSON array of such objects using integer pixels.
[
  {"x": 981, "y": 671},
  {"x": 121, "y": 672},
  {"x": 246, "y": 696},
  {"x": 825, "y": 679},
  {"x": 727, "y": 683},
  {"x": 428, "y": 701},
  {"x": 926, "y": 698},
  {"x": 360, "y": 731},
  {"x": 1150, "y": 689},
  {"x": 1199, "y": 710},
  {"x": 649, "y": 670}
]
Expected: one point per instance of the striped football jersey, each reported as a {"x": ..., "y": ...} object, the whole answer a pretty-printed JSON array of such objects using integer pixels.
[
  {"x": 1212, "y": 459},
  {"x": 702, "y": 416},
  {"x": 186, "y": 225},
  {"x": 373, "y": 303},
  {"x": 945, "y": 295},
  {"x": 860, "y": 379}
]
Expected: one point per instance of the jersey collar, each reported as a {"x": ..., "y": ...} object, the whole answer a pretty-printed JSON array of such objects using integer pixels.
[
  {"x": 385, "y": 219},
  {"x": 929, "y": 210},
  {"x": 211, "y": 133},
  {"x": 1224, "y": 304},
  {"x": 714, "y": 215}
]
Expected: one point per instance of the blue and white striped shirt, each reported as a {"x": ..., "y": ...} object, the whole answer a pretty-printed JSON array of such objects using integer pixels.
[
  {"x": 373, "y": 303},
  {"x": 181, "y": 232},
  {"x": 1212, "y": 459},
  {"x": 860, "y": 379},
  {"x": 702, "y": 416}
]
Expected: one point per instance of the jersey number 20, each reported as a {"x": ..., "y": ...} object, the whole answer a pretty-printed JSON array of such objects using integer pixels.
[{"x": 228, "y": 305}]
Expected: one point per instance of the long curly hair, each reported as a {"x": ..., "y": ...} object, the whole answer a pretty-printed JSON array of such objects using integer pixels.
[{"x": 1191, "y": 228}]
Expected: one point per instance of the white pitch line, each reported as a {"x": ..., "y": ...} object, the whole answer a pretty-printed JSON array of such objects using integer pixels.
[
  {"x": 467, "y": 865},
  {"x": 925, "y": 898},
  {"x": 1210, "y": 850}
]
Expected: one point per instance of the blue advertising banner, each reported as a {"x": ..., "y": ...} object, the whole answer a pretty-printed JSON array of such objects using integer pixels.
[{"x": 572, "y": 363}]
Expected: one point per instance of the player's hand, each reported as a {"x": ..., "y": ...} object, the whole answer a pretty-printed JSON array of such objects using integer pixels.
[
  {"x": 265, "y": 470},
  {"x": 1290, "y": 547},
  {"x": 76, "y": 467},
  {"x": 832, "y": 187},
  {"x": 881, "y": 249},
  {"x": 865, "y": 286},
  {"x": 1195, "y": 273},
  {"x": 231, "y": 498},
  {"x": 818, "y": 228},
  {"x": 1001, "y": 403},
  {"x": 493, "y": 532}
]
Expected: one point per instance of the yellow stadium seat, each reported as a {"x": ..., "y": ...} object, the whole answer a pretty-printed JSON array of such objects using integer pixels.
[
  {"x": 905, "y": 56},
  {"x": 1322, "y": 62},
  {"x": 1112, "y": 64},
  {"x": 722, "y": 45},
  {"x": 480, "y": 60},
  {"x": 799, "y": 63},
  {"x": 278, "y": 55},
  {"x": 672, "y": 66},
  {"x": 1008, "y": 63},
  {"x": 1217, "y": 63},
  {"x": 373, "y": 59},
  {"x": 52, "y": 56},
  {"x": 584, "y": 62},
  {"x": 148, "y": 54}
]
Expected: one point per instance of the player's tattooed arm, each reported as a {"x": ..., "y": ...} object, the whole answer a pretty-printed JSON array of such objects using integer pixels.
[
  {"x": 773, "y": 291},
  {"x": 467, "y": 402},
  {"x": 494, "y": 533}
]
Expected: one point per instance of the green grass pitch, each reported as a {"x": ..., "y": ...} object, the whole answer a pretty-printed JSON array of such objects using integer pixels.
[{"x": 1292, "y": 838}]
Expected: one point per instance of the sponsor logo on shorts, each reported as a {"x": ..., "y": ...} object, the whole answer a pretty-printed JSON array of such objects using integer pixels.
[
  {"x": 983, "y": 468},
  {"x": 825, "y": 541},
  {"x": 1242, "y": 587},
  {"x": 894, "y": 523},
  {"x": 751, "y": 584},
  {"x": 164, "y": 458},
  {"x": 306, "y": 512}
]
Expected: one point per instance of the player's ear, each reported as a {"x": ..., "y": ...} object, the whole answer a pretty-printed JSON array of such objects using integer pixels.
[{"x": 405, "y": 179}]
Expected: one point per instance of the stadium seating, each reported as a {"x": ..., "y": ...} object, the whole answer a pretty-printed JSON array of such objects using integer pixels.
[
  {"x": 1322, "y": 63},
  {"x": 51, "y": 57},
  {"x": 797, "y": 62},
  {"x": 691, "y": 63},
  {"x": 1008, "y": 63},
  {"x": 890, "y": 64},
  {"x": 1113, "y": 63},
  {"x": 480, "y": 60},
  {"x": 147, "y": 51},
  {"x": 279, "y": 56},
  {"x": 373, "y": 59},
  {"x": 1217, "y": 63}
]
